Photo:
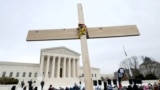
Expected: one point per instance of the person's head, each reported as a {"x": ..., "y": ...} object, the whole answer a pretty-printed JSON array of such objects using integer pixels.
[
  {"x": 75, "y": 84},
  {"x": 50, "y": 86},
  {"x": 25, "y": 87},
  {"x": 35, "y": 88},
  {"x": 13, "y": 87}
]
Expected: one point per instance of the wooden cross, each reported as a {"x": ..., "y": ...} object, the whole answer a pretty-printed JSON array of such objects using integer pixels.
[{"x": 72, "y": 33}]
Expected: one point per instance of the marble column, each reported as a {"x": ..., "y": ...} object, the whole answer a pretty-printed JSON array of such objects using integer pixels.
[
  {"x": 58, "y": 67},
  {"x": 53, "y": 66},
  {"x": 64, "y": 68},
  {"x": 47, "y": 67},
  {"x": 73, "y": 70},
  {"x": 77, "y": 67},
  {"x": 41, "y": 65},
  {"x": 69, "y": 67}
]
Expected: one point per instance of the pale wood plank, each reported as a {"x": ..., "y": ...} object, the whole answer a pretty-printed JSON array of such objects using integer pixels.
[
  {"x": 85, "y": 54},
  {"x": 80, "y": 14},
  {"x": 52, "y": 34},
  {"x": 115, "y": 31},
  {"x": 95, "y": 32},
  {"x": 86, "y": 64}
]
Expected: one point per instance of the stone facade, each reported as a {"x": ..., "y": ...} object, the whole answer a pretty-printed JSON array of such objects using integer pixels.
[
  {"x": 21, "y": 71},
  {"x": 58, "y": 66}
]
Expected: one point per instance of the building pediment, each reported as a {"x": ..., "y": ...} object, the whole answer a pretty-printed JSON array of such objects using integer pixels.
[{"x": 60, "y": 50}]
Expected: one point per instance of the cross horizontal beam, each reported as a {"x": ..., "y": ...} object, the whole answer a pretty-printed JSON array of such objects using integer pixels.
[
  {"x": 72, "y": 33},
  {"x": 52, "y": 34},
  {"x": 114, "y": 31}
]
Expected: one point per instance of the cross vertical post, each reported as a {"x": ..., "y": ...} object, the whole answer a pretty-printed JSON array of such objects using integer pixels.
[{"x": 85, "y": 54}]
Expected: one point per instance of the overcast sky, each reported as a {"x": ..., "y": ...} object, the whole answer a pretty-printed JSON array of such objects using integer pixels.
[{"x": 19, "y": 16}]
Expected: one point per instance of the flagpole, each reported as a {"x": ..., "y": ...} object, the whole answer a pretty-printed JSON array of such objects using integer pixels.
[{"x": 129, "y": 68}]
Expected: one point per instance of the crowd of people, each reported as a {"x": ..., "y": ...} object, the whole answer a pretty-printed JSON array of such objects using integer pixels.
[
  {"x": 75, "y": 87},
  {"x": 28, "y": 86},
  {"x": 154, "y": 86}
]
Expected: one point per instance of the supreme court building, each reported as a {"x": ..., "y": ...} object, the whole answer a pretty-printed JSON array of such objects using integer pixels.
[{"x": 58, "y": 66}]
